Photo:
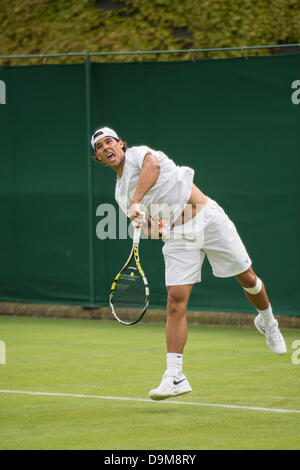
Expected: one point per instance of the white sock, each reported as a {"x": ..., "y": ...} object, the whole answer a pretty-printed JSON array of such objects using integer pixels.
[
  {"x": 174, "y": 363},
  {"x": 267, "y": 315}
]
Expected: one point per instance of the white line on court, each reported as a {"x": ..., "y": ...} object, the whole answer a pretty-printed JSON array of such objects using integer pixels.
[{"x": 145, "y": 400}]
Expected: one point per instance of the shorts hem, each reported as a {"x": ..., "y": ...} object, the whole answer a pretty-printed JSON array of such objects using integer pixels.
[
  {"x": 234, "y": 272},
  {"x": 185, "y": 283}
]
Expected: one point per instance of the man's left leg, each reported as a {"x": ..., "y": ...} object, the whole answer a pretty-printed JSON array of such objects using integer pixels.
[{"x": 265, "y": 322}]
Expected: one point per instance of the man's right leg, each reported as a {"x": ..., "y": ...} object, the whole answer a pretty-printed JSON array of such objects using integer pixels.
[{"x": 174, "y": 382}]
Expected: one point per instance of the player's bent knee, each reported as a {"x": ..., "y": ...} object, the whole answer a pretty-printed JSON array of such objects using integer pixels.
[{"x": 255, "y": 289}]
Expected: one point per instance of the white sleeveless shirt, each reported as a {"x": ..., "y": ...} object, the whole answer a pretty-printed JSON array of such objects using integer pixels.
[{"x": 167, "y": 198}]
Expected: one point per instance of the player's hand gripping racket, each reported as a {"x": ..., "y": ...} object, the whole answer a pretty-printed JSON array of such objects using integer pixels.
[{"x": 129, "y": 295}]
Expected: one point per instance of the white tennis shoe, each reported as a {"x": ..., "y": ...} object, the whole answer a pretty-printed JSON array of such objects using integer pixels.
[
  {"x": 274, "y": 338},
  {"x": 170, "y": 386}
]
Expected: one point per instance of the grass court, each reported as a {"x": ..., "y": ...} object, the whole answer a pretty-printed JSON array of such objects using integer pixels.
[{"x": 92, "y": 380}]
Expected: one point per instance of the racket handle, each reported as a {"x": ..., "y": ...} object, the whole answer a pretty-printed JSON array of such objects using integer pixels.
[
  {"x": 136, "y": 235},
  {"x": 140, "y": 220}
]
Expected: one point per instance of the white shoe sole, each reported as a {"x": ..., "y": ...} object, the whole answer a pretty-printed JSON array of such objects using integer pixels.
[
  {"x": 160, "y": 396},
  {"x": 175, "y": 391}
]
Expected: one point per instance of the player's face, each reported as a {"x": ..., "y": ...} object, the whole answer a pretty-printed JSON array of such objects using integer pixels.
[{"x": 110, "y": 152}]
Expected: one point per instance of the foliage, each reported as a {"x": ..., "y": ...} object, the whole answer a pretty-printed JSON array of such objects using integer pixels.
[{"x": 47, "y": 26}]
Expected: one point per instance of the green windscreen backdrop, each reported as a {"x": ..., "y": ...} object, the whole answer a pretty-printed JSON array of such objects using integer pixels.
[{"x": 236, "y": 122}]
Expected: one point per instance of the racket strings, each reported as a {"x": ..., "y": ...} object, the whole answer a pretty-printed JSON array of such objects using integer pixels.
[{"x": 129, "y": 296}]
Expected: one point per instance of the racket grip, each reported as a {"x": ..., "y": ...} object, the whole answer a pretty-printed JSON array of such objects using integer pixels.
[
  {"x": 136, "y": 235},
  {"x": 141, "y": 219}
]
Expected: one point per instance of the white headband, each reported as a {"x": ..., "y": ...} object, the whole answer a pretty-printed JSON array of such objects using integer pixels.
[{"x": 103, "y": 132}]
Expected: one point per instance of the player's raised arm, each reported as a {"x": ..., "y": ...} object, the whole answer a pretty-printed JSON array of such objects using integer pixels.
[{"x": 149, "y": 175}]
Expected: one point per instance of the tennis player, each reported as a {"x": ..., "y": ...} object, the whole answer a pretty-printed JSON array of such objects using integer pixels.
[{"x": 195, "y": 227}]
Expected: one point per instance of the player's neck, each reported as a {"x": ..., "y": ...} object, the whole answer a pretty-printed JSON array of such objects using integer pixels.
[{"x": 119, "y": 169}]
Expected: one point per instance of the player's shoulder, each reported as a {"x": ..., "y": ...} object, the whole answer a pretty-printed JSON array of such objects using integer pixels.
[
  {"x": 135, "y": 155},
  {"x": 138, "y": 149}
]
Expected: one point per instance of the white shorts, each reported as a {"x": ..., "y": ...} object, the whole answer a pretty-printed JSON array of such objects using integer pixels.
[{"x": 210, "y": 233}]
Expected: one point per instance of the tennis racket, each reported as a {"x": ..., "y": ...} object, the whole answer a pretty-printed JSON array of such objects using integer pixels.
[{"x": 129, "y": 294}]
